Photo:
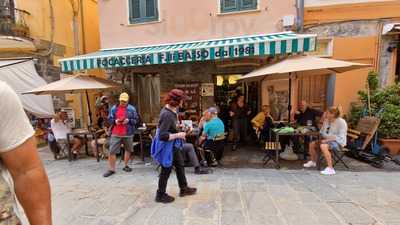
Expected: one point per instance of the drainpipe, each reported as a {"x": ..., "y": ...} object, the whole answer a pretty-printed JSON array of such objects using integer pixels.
[
  {"x": 300, "y": 15},
  {"x": 83, "y": 28}
]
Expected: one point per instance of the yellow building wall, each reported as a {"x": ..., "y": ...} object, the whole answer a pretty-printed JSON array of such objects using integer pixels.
[
  {"x": 347, "y": 12},
  {"x": 39, "y": 24},
  {"x": 363, "y": 50},
  {"x": 358, "y": 49}
]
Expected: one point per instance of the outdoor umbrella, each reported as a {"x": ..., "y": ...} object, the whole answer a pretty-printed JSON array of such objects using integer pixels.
[
  {"x": 303, "y": 64},
  {"x": 80, "y": 83}
]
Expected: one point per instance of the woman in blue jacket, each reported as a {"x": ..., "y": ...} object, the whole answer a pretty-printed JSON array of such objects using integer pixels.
[{"x": 167, "y": 148}]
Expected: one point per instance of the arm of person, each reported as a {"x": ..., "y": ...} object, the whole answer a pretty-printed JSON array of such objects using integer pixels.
[
  {"x": 31, "y": 183},
  {"x": 111, "y": 117},
  {"x": 134, "y": 119},
  {"x": 19, "y": 155}
]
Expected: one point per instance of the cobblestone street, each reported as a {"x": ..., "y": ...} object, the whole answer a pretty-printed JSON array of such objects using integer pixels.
[{"x": 227, "y": 197}]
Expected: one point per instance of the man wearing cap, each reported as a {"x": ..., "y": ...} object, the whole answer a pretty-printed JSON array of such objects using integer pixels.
[
  {"x": 123, "y": 118},
  {"x": 213, "y": 128}
]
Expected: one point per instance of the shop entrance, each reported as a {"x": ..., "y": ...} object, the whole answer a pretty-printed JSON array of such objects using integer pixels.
[{"x": 226, "y": 89}]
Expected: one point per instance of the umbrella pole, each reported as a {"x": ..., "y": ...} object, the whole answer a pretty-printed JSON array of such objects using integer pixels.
[
  {"x": 89, "y": 110},
  {"x": 290, "y": 97}
]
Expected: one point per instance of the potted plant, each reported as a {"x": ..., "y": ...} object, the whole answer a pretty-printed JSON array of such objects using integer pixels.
[
  {"x": 383, "y": 103},
  {"x": 20, "y": 29}
]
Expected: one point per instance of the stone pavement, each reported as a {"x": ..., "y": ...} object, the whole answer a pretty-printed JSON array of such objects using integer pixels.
[{"x": 227, "y": 197}]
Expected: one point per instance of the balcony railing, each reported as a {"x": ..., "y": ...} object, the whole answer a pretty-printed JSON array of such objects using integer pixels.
[{"x": 12, "y": 22}]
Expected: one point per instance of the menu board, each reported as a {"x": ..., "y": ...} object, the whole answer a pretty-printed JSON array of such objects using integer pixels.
[{"x": 192, "y": 104}]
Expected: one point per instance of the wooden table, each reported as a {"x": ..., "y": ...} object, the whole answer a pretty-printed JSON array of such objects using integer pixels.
[
  {"x": 81, "y": 133},
  {"x": 277, "y": 147}
]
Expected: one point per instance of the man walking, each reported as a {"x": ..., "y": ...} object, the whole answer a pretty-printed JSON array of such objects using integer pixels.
[
  {"x": 18, "y": 155},
  {"x": 123, "y": 119}
]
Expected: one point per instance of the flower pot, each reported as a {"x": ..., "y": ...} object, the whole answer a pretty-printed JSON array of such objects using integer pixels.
[{"x": 392, "y": 144}]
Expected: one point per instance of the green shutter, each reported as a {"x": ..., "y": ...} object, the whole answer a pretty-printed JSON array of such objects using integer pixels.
[
  {"x": 248, "y": 4},
  {"x": 134, "y": 9},
  {"x": 229, "y": 5},
  {"x": 150, "y": 8},
  {"x": 142, "y": 11}
]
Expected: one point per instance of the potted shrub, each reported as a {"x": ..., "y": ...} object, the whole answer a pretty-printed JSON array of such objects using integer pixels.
[
  {"x": 20, "y": 29},
  {"x": 383, "y": 103},
  {"x": 389, "y": 129}
]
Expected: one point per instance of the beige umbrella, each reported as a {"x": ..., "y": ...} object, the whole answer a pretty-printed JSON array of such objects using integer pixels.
[
  {"x": 303, "y": 64},
  {"x": 80, "y": 83}
]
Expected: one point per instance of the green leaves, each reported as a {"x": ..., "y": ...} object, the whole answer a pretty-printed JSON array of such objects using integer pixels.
[{"x": 385, "y": 104}]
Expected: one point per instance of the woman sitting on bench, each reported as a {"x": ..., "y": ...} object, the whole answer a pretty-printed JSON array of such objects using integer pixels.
[{"x": 333, "y": 133}]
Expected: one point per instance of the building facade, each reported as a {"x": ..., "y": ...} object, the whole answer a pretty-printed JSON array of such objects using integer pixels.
[
  {"x": 154, "y": 46},
  {"x": 48, "y": 30},
  {"x": 360, "y": 31}
]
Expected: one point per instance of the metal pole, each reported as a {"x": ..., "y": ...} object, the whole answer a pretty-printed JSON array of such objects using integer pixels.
[
  {"x": 290, "y": 97},
  {"x": 90, "y": 112},
  {"x": 300, "y": 16}
]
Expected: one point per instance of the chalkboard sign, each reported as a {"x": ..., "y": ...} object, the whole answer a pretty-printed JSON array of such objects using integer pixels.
[{"x": 192, "y": 104}]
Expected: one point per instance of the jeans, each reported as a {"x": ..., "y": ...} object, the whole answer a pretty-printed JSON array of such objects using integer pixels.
[
  {"x": 239, "y": 129},
  {"x": 178, "y": 163},
  {"x": 188, "y": 149}
]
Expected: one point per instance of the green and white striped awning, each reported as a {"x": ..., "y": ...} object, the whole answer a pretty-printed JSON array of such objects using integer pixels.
[{"x": 217, "y": 49}]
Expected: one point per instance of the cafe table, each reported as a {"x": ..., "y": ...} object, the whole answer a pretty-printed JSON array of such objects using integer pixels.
[{"x": 85, "y": 134}]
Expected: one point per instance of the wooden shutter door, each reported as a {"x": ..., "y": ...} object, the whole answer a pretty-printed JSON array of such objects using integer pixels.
[{"x": 313, "y": 89}]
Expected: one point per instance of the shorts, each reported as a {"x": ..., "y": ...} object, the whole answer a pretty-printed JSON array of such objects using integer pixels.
[
  {"x": 115, "y": 144},
  {"x": 334, "y": 146}
]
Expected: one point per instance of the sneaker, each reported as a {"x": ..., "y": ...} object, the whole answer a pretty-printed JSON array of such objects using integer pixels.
[
  {"x": 310, "y": 164},
  {"x": 108, "y": 173},
  {"x": 127, "y": 169},
  {"x": 187, "y": 191},
  {"x": 164, "y": 198},
  {"x": 199, "y": 170},
  {"x": 328, "y": 171}
]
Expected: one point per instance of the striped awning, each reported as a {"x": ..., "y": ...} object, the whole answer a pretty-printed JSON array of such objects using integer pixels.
[{"x": 217, "y": 49}]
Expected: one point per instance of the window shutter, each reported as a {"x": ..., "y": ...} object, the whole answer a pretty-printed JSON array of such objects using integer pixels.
[
  {"x": 229, "y": 5},
  {"x": 248, "y": 4},
  {"x": 135, "y": 9},
  {"x": 151, "y": 8}
]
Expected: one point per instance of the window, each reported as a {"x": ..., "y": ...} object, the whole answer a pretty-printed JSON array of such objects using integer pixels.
[
  {"x": 237, "y": 5},
  {"x": 141, "y": 11},
  {"x": 6, "y": 9},
  {"x": 324, "y": 48}
]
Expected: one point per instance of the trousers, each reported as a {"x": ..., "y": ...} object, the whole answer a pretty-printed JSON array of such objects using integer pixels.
[{"x": 179, "y": 164}]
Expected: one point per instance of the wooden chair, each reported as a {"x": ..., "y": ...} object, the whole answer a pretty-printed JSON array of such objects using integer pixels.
[{"x": 365, "y": 129}]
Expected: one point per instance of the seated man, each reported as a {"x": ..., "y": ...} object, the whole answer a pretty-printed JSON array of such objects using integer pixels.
[
  {"x": 102, "y": 134},
  {"x": 306, "y": 115},
  {"x": 263, "y": 124},
  {"x": 60, "y": 129},
  {"x": 334, "y": 134},
  {"x": 213, "y": 128}
]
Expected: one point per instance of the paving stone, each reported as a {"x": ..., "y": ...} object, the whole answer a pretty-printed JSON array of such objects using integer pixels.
[
  {"x": 351, "y": 213},
  {"x": 231, "y": 201},
  {"x": 228, "y": 196},
  {"x": 203, "y": 209},
  {"x": 167, "y": 215},
  {"x": 323, "y": 214},
  {"x": 254, "y": 186},
  {"x": 263, "y": 219},
  {"x": 232, "y": 218},
  {"x": 259, "y": 203}
]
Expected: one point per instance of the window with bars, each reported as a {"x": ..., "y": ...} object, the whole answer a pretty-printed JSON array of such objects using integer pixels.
[
  {"x": 142, "y": 11},
  {"x": 237, "y": 5}
]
